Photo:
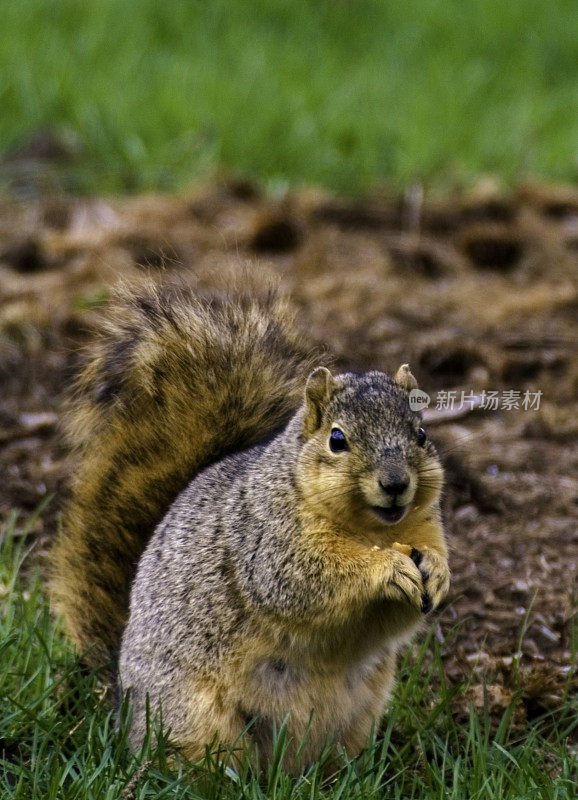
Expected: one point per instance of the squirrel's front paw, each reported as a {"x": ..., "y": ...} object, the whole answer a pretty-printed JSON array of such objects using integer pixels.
[
  {"x": 404, "y": 581},
  {"x": 435, "y": 575}
]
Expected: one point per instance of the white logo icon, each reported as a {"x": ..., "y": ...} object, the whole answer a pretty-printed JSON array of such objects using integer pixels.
[{"x": 418, "y": 400}]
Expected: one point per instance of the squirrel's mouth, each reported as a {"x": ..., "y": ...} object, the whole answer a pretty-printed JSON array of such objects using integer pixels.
[{"x": 391, "y": 514}]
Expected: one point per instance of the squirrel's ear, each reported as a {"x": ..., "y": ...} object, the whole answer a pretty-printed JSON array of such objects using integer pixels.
[
  {"x": 320, "y": 384},
  {"x": 404, "y": 378}
]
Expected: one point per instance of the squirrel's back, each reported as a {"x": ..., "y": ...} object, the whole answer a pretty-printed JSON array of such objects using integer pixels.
[{"x": 174, "y": 381}]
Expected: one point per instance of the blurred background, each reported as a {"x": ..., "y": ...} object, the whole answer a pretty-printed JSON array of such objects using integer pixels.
[
  {"x": 346, "y": 94},
  {"x": 408, "y": 173}
]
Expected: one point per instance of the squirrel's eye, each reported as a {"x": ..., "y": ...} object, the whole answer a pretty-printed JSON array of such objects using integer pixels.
[
  {"x": 421, "y": 437},
  {"x": 337, "y": 441}
]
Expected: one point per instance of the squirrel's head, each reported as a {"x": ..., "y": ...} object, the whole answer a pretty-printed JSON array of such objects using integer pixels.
[{"x": 366, "y": 459}]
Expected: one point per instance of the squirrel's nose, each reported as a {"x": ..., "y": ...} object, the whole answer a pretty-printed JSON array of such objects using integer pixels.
[{"x": 395, "y": 486}]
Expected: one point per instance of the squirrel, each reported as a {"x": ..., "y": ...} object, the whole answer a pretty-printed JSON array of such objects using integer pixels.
[{"x": 250, "y": 539}]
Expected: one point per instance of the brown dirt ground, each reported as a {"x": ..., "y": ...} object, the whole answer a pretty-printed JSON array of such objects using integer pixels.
[{"x": 476, "y": 292}]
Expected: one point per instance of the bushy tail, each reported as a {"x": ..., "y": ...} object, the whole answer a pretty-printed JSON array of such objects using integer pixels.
[{"x": 174, "y": 381}]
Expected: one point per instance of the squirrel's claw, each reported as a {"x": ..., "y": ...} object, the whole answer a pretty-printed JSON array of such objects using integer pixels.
[
  {"x": 416, "y": 556},
  {"x": 404, "y": 581},
  {"x": 426, "y": 603},
  {"x": 421, "y": 577},
  {"x": 435, "y": 575}
]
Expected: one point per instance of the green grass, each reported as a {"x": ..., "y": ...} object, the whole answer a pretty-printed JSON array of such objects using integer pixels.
[
  {"x": 343, "y": 93},
  {"x": 60, "y": 740}
]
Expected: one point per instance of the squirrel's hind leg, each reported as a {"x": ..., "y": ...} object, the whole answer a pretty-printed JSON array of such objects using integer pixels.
[
  {"x": 215, "y": 725},
  {"x": 373, "y": 692}
]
